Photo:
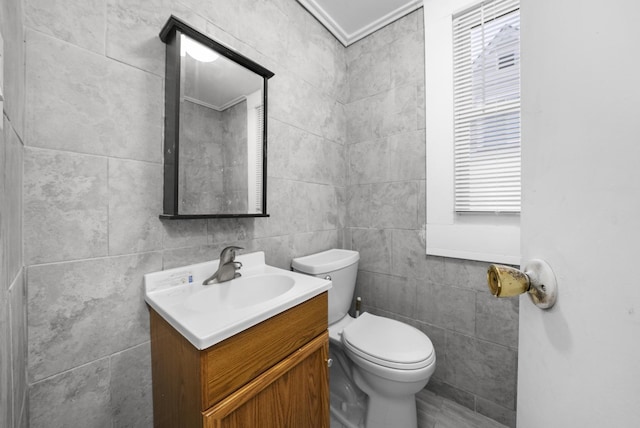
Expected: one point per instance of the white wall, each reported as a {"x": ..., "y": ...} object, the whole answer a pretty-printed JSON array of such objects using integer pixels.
[{"x": 579, "y": 363}]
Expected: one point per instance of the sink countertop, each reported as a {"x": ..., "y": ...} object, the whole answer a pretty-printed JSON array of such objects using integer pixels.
[{"x": 172, "y": 294}]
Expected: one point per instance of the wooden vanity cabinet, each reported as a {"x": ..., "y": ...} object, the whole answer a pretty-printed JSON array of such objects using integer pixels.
[{"x": 273, "y": 374}]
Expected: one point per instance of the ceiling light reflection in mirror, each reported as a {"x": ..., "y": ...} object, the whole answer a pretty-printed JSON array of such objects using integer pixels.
[{"x": 196, "y": 50}]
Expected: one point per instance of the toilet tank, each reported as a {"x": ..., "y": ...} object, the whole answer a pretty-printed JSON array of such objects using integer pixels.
[{"x": 342, "y": 267}]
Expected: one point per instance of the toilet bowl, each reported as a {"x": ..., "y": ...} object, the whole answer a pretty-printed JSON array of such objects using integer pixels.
[{"x": 385, "y": 359}]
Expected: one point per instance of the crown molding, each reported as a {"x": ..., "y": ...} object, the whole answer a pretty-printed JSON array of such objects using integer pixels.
[{"x": 345, "y": 38}]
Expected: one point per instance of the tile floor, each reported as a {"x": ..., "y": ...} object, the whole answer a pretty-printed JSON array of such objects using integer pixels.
[{"x": 437, "y": 412}]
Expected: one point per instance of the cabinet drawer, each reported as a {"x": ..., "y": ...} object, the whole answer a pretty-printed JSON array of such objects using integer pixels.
[
  {"x": 293, "y": 393},
  {"x": 236, "y": 361}
]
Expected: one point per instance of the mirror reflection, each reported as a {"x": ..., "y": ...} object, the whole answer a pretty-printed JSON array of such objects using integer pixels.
[{"x": 221, "y": 118}]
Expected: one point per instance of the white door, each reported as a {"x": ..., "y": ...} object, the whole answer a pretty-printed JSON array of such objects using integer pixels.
[{"x": 579, "y": 362}]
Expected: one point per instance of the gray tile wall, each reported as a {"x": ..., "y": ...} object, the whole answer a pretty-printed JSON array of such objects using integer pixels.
[
  {"x": 93, "y": 185},
  {"x": 475, "y": 336},
  {"x": 13, "y": 321},
  {"x": 201, "y": 148}
]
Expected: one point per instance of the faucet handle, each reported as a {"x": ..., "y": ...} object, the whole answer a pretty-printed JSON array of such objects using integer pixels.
[{"x": 229, "y": 254}]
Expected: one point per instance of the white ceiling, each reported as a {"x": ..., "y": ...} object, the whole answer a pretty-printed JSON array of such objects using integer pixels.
[{"x": 351, "y": 20}]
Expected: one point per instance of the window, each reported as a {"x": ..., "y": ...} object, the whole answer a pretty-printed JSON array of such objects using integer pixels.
[
  {"x": 472, "y": 94},
  {"x": 486, "y": 103}
]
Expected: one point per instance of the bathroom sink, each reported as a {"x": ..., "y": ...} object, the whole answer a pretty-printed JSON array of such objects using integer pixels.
[
  {"x": 240, "y": 293},
  {"x": 208, "y": 314}
]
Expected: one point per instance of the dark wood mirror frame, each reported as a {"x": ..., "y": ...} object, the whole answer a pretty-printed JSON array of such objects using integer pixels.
[{"x": 170, "y": 36}]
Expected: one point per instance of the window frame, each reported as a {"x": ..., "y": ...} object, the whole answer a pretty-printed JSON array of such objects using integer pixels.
[{"x": 492, "y": 237}]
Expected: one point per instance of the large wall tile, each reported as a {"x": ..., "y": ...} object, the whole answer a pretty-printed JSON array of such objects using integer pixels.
[
  {"x": 422, "y": 106},
  {"x": 368, "y": 162},
  {"x": 402, "y": 296},
  {"x": 395, "y": 158},
  {"x": 407, "y": 156},
  {"x": 6, "y": 386},
  {"x": 319, "y": 202},
  {"x": 388, "y": 113},
  {"x": 315, "y": 55},
  {"x": 261, "y": 24},
  {"x": 359, "y": 117},
  {"x": 399, "y": 110},
  {"x": 395, "y": 205},
  {"x": 359, "y": 212},
  {"x": 6, "y": 394},
  {"x": 497, "y": 319},
  {"x": 185, "y": 233},
  {"x": 83, "y": 102},
  {"x": 141, "y": 22},
  {"x": 298, "y": 103},
  {"x": 135, "y": 201},
  {"x": 303, "y": 244},
  {"x": 374, "y": 246},
  {"x": 222, "y": 230},
  {"x": 466, "y": 273},
  {"x": 369, "y": 74},
  {"x": 451, "y": 307},
  {"x": 300, "y": 155},
  {"x": 5, "y": 281},
  {"x": 285, "y": 209},
  {"x": 78, "y": 395},
  {"x": 372, "y": 288},
  {"x": 483, "y": 368},
  {"x": 280, "y": 139},
  {"x": 80, "y": 23},
  {"x": 341, "y": 198},
  {"x": 187, "y": 256},
  {"x": 14, "y": 65},
  {"x": 18, "y": 301},
  {"x": 317, "y": 160},
  {"x": 65, "y": 206},
  {"x": 391, "y": 296},
  {"x": 13, "y": 171},
  {"x": 82, "y": 311},
  {"x": 406, "y": 58},
  {"x": 131, "y": 396},
  {"x": 409, "y": 258},
  {"x": 437, "y": 335},
  {"x": 277, "y": 250}
]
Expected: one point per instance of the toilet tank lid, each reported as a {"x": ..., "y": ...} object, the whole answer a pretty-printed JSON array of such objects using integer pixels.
[{"x": 326, "y": 261}]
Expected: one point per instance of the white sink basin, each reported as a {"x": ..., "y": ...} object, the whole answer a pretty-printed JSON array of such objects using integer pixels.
[
  {"x": 240, "y": 293},
  {"x": 208, "y": 314}
]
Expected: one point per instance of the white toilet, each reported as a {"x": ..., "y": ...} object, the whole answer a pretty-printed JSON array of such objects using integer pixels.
[{"x": 386, "y": 359}]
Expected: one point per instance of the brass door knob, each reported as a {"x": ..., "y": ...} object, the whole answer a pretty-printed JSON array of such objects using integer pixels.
[{"x": 536, "y": 279}]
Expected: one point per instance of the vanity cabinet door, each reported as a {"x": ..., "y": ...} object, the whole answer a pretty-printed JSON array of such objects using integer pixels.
[{"x": 292, "y": 394}]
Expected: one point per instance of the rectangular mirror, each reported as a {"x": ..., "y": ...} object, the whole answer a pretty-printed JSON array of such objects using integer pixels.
[{"x": 215, "y": 128}]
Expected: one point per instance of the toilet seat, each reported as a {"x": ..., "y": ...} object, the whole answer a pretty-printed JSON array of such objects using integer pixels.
[{"x": 388, "y": 343}]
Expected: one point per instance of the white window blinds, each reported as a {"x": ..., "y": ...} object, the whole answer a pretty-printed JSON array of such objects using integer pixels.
[
  {"x": 486, "y": 82},
  {"x": 259, "y": 156}
]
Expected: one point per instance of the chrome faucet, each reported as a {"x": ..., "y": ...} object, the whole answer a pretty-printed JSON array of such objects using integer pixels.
[{"x": 228, "y": 267}]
